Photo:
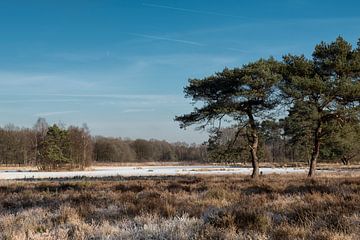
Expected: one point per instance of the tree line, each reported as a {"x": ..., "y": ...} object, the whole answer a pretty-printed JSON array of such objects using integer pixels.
[
  {"x": 280, "y": 142},
  {"x": 55, "y": 147},
  {"x": 140, "y": 150},
  {"x": 314, "y": 101}
]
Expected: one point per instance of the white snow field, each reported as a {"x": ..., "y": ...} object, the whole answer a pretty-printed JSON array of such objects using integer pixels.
[{"x": 144, "y": 171}]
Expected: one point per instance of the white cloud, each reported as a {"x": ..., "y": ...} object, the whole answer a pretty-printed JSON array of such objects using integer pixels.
[
  {"x": 81, "y": 56},
  {"x": 43, "y": 81},
  {"x": 22, "y": 79},
  {"x": 45, "y": 114},
  {"x": 137, "y": 110},
  {"x": 119, "y": 96},
  {"x": 40, "y": 101}
]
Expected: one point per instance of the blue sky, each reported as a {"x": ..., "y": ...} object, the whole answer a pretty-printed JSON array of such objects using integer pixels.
[{"x": 120, "y": 66}]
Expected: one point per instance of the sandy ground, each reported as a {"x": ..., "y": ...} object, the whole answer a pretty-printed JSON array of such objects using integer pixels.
[{"x": 106, "y": 171}]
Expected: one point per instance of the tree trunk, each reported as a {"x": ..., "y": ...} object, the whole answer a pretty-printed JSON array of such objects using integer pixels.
[
  {"x": 316, "y": 150},
  {"x": 254, "y": 143},
  {"x": 254, "y": 160},
  {"x": 344, "y": 160}
]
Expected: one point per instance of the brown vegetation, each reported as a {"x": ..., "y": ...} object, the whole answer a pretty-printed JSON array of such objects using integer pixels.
[{"x": 183, "y": 207}]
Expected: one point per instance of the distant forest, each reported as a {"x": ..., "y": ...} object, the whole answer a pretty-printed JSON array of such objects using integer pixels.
[{"x": 52, "y": 147}]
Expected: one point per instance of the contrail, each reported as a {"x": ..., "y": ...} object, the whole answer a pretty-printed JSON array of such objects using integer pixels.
[
  {"x": 166, "y": 39},
  {"x": 191, "y": 10}
]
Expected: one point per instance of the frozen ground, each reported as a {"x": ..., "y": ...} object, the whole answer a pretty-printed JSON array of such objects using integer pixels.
[{"x": 143, "y": 171}]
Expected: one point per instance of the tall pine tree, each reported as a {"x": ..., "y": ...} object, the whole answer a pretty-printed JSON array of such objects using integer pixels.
[{"x": 327, "y": 87}]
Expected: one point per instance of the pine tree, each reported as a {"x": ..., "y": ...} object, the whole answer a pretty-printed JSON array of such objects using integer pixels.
[
  {"x": 243, "y": 95},
  {"x": 326, "y": 88},
  {"x": 54, "y": 150}
]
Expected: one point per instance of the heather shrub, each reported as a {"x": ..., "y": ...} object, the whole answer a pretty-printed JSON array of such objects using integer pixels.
[{"x": 184, "y": 207}]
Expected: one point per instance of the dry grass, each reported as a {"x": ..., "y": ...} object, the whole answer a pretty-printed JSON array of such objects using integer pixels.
[{"x": 183, "y": 207}]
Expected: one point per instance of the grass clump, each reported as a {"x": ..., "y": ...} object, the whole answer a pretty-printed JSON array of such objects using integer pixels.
[{"x": 182, "y": 207}]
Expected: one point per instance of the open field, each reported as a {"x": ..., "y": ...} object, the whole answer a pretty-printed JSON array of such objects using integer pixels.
[
  {"x": 165, "y": 169},
  {"x": 286, "y": 206},
  {"x": 141, "y": 171}
]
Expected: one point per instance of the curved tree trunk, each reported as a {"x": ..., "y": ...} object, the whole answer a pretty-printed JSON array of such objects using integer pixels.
[
  {"x": 316, "y": 150},
  {"x": 254, "y": 143}
]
